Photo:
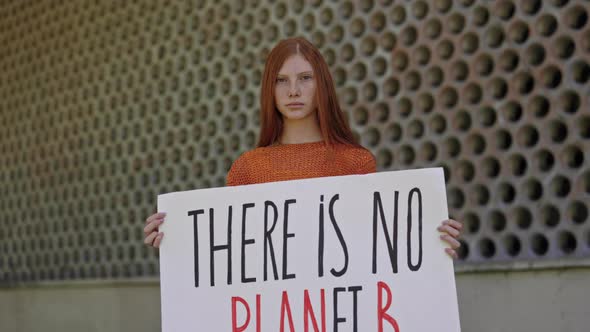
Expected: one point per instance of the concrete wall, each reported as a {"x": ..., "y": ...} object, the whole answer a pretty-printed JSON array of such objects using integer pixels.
[
  {"x": 547, "y": 300},
  {"x": 544, "y": 300},
  {"x": 82, "y": 307}
]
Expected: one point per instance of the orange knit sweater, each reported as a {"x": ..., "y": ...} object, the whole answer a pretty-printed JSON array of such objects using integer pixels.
[{"x": 299, "y": 161}]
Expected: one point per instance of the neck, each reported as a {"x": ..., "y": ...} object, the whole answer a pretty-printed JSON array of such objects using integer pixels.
[{"x": 305, "y": 130}]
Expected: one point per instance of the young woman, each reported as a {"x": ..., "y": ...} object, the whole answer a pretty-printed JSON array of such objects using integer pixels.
[{"x": 303, "y": 132}]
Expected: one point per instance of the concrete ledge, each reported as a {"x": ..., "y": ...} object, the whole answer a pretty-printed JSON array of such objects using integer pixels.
[
  {"x": 539, "y": 300},
  {"x": 77, "y": 308}
]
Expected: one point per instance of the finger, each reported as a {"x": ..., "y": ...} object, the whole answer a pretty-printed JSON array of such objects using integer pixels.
[
  {"x": 450, "y": 240},
  {"x": 454, "y": 223},
  {"x": 150, "y": 238},
  {"x": 158, "y": 240},
  {"x": 152, "y": 226},
  {"x": 452, "y": 253},
  {"x": 449, "y": 230},
  {"x": 155, "y": 216},
  {"x": 159, "y": 215}
]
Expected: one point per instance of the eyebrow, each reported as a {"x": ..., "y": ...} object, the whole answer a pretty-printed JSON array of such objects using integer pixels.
[{"x": 302, "y": 73}]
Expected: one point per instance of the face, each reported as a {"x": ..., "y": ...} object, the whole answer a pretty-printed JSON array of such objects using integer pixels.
[{"x": 295, "y": 89}]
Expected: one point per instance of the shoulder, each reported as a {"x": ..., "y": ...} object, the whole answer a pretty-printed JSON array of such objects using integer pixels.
[
  {"x": 362, "y": 160},
  {"x": 241, "y": 169},
  {"x": 238, "y": 172}
]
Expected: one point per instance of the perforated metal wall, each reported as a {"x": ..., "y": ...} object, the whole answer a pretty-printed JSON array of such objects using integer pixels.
[{"x": 105, "y": 104}]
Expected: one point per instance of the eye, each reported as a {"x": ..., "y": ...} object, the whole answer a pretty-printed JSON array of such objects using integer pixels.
[
  {"x": 306, "y": 77},
  {"x": 281, "y": 80}
]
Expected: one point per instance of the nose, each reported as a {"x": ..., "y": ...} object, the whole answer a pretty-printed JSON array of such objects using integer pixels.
[{"x": 294, "y": 90}]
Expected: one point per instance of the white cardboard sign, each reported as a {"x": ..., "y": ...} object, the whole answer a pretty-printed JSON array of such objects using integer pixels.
[{"x": 348, "y": 253}]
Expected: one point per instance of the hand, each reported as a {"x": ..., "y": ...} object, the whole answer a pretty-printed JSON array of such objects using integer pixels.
[
  {"x": 152, "y": 236},
  {"x": 451, "y": 230}
]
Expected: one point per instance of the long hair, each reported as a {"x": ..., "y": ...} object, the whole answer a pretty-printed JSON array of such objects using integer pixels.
[{"x": 331, "y": 119}]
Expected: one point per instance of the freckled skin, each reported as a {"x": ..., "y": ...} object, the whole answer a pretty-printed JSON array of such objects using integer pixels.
[{"x": 296, "y": 83}]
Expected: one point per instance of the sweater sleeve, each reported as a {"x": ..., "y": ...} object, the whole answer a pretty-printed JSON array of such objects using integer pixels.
[
  {"x": 238, "y": 173},
  {"x": 367, "y": 163}
]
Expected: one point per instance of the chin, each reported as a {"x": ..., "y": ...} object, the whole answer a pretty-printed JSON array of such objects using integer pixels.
[{"x": 296, "y": 115}]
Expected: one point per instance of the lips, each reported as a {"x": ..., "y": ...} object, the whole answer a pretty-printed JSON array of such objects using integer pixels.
[{"x": 295, "y": 104}]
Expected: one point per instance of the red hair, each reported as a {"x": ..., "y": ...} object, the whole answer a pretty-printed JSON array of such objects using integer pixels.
[{"x": 331, "y": 119}]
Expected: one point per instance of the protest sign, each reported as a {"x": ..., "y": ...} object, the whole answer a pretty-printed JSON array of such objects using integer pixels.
[{"x": 347, "y": 253}]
